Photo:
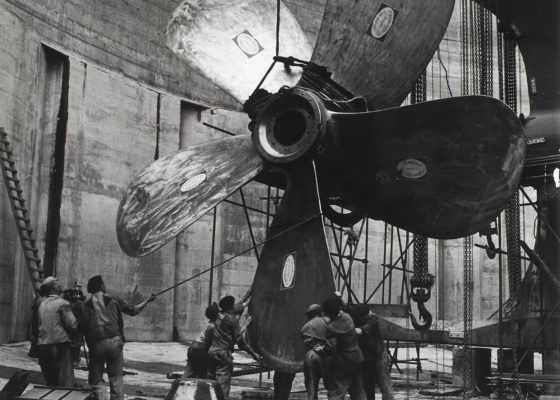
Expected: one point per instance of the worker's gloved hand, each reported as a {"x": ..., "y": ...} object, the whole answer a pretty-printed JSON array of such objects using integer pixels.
[
  {"x": 358, "y": 331},
  {"x": 258, "y": 358},
  {"x": 151, "y": 298}
]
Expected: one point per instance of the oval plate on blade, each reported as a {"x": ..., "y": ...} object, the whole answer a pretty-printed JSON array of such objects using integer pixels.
[
  {"x": 378, "y": 48},
  {"x": 294, "y": 272},
  {"x": 442, "y": 169},
  {"x": 233, "y": 43},
  {"x": 176, "y": 190}
]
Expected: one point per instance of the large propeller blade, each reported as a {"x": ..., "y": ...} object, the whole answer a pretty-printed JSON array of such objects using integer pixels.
[
  {"x": 232, "y": 43},
  {"x": 294, "y": 271},
  {"x": 176, "y": 190},
  {"x": 441, "y": 169},
  {"x": 378, "y": 48}
]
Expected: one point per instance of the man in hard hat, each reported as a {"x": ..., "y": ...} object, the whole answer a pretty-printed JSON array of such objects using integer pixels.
[
  {"x": 56, "y": 324},
  {"x": 314, "y": 337},
  {"x": 345, "y": 360}
]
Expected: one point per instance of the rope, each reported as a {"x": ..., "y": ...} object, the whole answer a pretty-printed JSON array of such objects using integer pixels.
[
  {"x": 446, "y": 74},
  {"x": 240, "y": 254},
  {"x": 277, "y": 47},
  {"x": 278, "y": 28}
]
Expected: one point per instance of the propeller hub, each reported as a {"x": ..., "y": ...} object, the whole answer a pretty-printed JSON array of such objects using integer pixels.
[{"x": 290, "y": 127}]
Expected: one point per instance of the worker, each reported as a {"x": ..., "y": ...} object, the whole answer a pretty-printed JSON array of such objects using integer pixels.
[
  {"x": 76, "y": 298},
  {"x": 282, "y": 382},
  {"x": 56, "y": 323},
  {"x": 345, "y": 360},
  {"x": 103, "y": 328},
  {"x": 243, "y": 317},
  {"x": 197, "y": 361},
  {"x": 34, "y": 334},
  {"x": 226, "y": 334},
  {"x": 314, "y": 337},
  {"x": 373, "y": 349}
]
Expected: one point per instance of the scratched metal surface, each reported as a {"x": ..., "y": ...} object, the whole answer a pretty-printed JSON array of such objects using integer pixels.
[
  {"x": 294, "y": 271},
  {"x": 233, "y": 43},
  {"x": 380, "y": 66},
  {"x": 442, "y": 168},
  {"x": 157, "y": 206}
]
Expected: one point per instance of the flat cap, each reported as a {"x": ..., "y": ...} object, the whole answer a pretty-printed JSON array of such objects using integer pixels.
[
  {"x": 48, "y": 283},
  {"x": 313, "y": 307}
]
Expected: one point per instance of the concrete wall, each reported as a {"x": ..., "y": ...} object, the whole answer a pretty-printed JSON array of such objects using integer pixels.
[
  {"x": 126, "y": 37},
  {"x": 22, "y": 73},
  {"x": 127, "y": 95}
]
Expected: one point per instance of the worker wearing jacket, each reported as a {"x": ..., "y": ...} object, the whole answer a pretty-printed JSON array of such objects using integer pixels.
[
  {"x": 56, "y": 323},
  {"x": 103, "y": 328}
]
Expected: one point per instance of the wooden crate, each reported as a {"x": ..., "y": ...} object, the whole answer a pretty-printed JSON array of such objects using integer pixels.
[{"x": 52, "y": 393}]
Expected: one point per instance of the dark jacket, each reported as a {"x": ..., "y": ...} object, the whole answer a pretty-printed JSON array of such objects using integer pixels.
[
  {"x": 110, "y": 324},
  {"x": 370, "y": 341},
  {"x": 342, "y": 341}
]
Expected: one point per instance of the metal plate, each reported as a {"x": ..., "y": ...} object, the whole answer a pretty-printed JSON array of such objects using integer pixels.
[{"x": 233, "y": 43}]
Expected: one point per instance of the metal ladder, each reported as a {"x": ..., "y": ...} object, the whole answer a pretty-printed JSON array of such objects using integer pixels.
[{"x": 21, "y": 215}]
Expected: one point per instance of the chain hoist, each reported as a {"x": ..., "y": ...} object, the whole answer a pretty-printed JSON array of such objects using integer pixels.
[
  {"x": 467, "y": 315},
  {"x": 512, "y": 212},
  {"x": 421, "y": 282},
  {"x": 471, "y": 60}
]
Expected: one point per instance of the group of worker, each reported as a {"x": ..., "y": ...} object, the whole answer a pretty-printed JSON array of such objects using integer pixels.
[
  {"x": 343, "y": 343},
  {"x": 210, "y": 355},
  {"x": 62, "y": 324},
  {"x": 345, "y": 349}
]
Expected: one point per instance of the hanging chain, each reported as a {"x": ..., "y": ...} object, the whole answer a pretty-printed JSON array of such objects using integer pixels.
[
  {"x": 487, "y": 52},
  {"x": 508, "y": 83},
  {"x": 464, "y": 48},
  {"x": 471, "y": 61},
  {"x": 512, "y": 237},
  {"x": 500, "y": 46},
  {"x": 510, "y": 67},
  {"x": 467, "y": 316},
  {"x": 421, "y": 282}
]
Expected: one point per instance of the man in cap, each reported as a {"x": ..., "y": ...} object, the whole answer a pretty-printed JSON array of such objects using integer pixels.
[
  {"x": 197, "y": 354},
  {"x": 314, "y": 334},
  {"x": 345, "y": 361},
  {"x": 76, "y": 298},
  {"x": 103, "y": 328},
  {"x": 56, "y": 323},
  {"x": 371, "y": 343},
  {"x": 34, "y": 331},
  {"x": 226, "y": 334}
]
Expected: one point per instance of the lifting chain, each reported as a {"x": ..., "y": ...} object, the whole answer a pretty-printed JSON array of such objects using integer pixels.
[
  {"x": 421, "y": 282},
  {"x": 472, "y": 60},
  {"x": 514, "y": 250},
  {"x": 507, "y": 76},
  {"x": 467, "y": 315},
  {"x": 487, "y": 52},
  {"x": 512, "y": 209},
  {"x": 465, "y": 70}
]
